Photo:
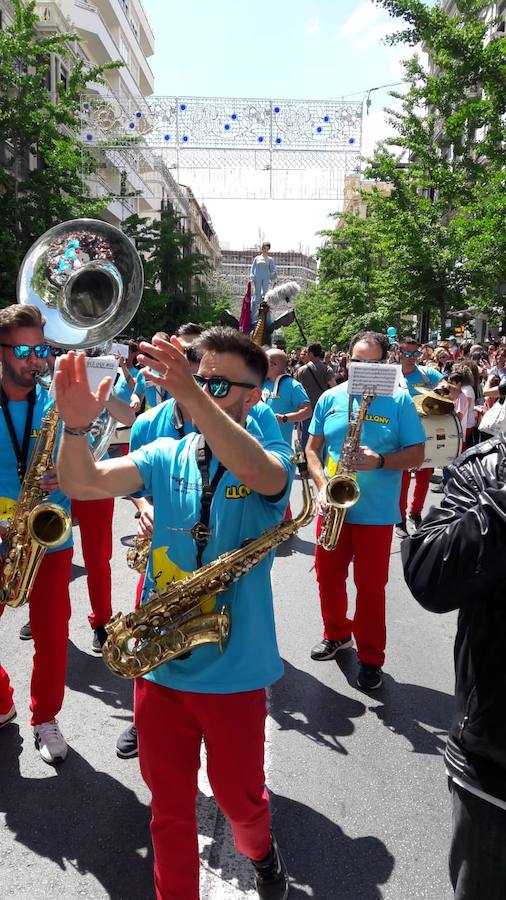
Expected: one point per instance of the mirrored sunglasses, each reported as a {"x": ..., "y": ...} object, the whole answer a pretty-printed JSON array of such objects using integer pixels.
[
  {"x": 410, "y": 354},
  {"x": 219, "y": 387},
  {"x": 24, "y": 351}
]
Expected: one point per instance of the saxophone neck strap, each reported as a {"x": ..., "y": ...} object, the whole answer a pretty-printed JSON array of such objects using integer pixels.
[
  {"x": 201, "y": 532},
  {"x": 21, "y": 453}
]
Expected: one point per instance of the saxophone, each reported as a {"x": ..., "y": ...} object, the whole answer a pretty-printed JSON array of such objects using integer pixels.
[
  {"x": 138, "y": 553},
  {"x": 36, "y": 526},
  {"x": 171, "y": 623},
  {"x": 343, "y": 490}
]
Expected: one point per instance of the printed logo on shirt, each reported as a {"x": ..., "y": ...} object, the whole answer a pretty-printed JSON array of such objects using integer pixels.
[
  {"x": 237, "y": 492},
  {"x": 166, "y": 572},
  {"x": 381, "y": 420},
  {"x": 7, "y": 507}
]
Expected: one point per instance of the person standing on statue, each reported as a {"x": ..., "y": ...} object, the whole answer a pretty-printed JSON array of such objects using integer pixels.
[{"x": 263, "y": 271}]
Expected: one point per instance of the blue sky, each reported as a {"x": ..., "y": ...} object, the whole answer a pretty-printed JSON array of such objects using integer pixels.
[{"x": 284, "y": 49}]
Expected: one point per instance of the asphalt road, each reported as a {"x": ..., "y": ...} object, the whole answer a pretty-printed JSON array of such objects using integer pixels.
[{"x": 358, "y": 788}]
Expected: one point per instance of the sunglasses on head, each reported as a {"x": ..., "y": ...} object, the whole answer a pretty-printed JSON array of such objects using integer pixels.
[
  {"x": 219, "y": 387},
  {"x": 410, "y": 354},
  {"x": 24, "y": 351}
]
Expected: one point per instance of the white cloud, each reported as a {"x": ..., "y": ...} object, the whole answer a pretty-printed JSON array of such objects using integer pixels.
[
  {"x": 313, "y": 27},
  {"x": 376, "y": 33},
  {"x": 360, "y": 20}
]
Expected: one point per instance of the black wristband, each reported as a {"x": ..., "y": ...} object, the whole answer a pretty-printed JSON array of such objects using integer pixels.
[
  {"x": 78, "y": 432},
  {"x": 381, "y": 461}
]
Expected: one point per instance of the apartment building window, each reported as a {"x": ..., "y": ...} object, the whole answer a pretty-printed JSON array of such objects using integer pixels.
[
  {"x": 134, "y": 25},
  {"x": 64, "y": 77},
  {"x": 135, "y": 71},
  {"x": 124, "y": 49}
]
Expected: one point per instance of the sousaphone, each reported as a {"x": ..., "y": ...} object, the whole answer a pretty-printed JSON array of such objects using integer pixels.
[{"x": 86, "y": 278}]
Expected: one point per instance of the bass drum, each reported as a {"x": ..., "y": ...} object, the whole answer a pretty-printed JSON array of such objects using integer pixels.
[{"x": 443, "y": 440}]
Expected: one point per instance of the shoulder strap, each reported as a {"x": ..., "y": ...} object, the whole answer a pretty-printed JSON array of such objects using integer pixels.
[
  {"x": 311, "y": 367},
  {"x": 201, "y": 532}
]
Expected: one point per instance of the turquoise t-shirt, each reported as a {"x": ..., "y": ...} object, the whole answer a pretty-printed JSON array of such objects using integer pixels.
[
  {"x": 288, "y": 398},
  {"x": 266, "y": 421},
  {"x": 160, "y": 421},
  {"x": 9, "y": 481},
  {"x": 391, "y": 424},
  {"x": 171, "y": 476},
  {"x": 121, "y": 388},
  {"x": 153, "y": 394},
  {"x": 417, "y": 378}
]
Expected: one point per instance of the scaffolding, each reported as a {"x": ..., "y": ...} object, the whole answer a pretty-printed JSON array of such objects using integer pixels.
[{"x": 229, "y": 148}]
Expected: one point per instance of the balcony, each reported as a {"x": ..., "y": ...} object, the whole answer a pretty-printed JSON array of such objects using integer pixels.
[
  {"x": 115, "y": 16},
  {"x": 95, "y": 31}
]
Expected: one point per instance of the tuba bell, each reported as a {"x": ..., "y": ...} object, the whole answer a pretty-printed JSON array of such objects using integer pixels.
[{"x": 86, "y": 278}]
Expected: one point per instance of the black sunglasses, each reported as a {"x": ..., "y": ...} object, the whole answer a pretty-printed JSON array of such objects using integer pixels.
[
  {"x": 24, "y": 351},
  {"x": 219, "y": 387}
]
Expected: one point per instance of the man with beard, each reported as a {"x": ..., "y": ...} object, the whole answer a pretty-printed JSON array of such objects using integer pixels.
[
  {"x": 216, "y": 696},
  {"x": 23, "y": 354}
]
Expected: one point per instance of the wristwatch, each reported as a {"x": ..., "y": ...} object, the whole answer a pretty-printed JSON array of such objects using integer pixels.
[{"x": 284, "y": 418}]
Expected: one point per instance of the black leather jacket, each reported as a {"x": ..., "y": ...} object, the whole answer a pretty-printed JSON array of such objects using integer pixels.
[{"x": 457, "y": 560}]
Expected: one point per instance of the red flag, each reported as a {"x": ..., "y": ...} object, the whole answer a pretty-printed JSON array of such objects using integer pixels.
[{"x": 245, "y": 318}]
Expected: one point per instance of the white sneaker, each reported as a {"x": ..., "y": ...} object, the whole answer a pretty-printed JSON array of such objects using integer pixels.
[
  {"x": 8, "y": 716},
  {"x": 50, "y": 742}
]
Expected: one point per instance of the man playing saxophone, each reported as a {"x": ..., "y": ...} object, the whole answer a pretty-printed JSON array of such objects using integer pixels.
[
  {"x": 23, "y": 354},
  {"x": 392, "y": 440},
  {"x": 218, "y": 697}
]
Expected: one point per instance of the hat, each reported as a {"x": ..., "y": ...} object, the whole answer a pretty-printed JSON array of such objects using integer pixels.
[{"x": 453, "y": 339}]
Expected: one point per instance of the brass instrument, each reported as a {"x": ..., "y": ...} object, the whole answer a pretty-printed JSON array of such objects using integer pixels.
[
  {"x": 171, "y": 623},
  {"x": 138, "y": 553},
  {"x": 430, "y": 403},
  {"x": 36, "y": 525},
  {"x": 258, "y": 334},
  {"x": 85, "y": 298},
  {"x": 343, "y": 490}
]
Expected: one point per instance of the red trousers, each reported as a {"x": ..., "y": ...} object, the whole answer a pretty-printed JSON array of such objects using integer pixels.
[
  {"x": 95, "y": 524},
  {"x": 171, "y": 725},
  {"x": 368, "y": 546},
  {"x": 422, "y": 481},
  {"x": 49, "y": 617}
]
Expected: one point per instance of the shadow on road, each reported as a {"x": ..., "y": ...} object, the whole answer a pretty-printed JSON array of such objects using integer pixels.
[
  {"x": 323, "y": 862},
  {"x": 77, "y": 572},
  {"x": 322, "y": 857},
  {"x": 88, "y": 674},
  {"x": 420, "y": 714},
  {"x": 82, "y": 819},
  {"x": 301, "y": 703},
  {"x": 296, "y": 545}
]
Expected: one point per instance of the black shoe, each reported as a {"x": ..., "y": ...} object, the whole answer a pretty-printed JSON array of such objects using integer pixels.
[
  {"x": 328, "y": 649},
  {"x": 99, "y": 639},
  {"x": 369, "y": 677},
  {"x": 25, "y": 632},
  {"x": 416, "y": 518},
  {"x": 126, "y": 745},
  {"x": 401, "y": 530},
  {"x": 271, "y": 876}
]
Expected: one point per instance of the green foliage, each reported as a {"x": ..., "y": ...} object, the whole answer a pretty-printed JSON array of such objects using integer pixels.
[
  {"x": 175, "y": 275},
  {"x": 37, "y": 126},
  {"x": 432, "y": 238}
]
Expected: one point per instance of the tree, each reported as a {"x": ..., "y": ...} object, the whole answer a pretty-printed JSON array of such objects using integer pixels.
[
  {"x": 43, "y": 129},
  {"x": 175, "y": 275},
  {"x": 432, "y": 222}
]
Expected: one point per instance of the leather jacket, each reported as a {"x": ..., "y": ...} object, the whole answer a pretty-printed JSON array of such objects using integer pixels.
[{"x": 457, "y": 560}]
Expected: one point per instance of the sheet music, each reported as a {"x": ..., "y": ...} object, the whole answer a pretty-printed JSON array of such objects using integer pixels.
[
  {"x": 382, "y": 377},
  {"x": 98, "y": 367}
]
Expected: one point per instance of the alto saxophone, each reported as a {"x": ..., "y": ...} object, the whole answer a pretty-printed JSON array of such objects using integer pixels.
[
  {"x": 36, "y": 526},
  {"x": 138, "y": 553},
  {"x": 171, "y": 623},
  {"x": 342, "y": 489}
]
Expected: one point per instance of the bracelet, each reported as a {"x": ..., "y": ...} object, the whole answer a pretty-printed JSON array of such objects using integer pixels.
[
  {"x": 381, "y": 462},
  {"x": 78, "y": 432}
]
